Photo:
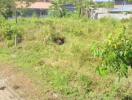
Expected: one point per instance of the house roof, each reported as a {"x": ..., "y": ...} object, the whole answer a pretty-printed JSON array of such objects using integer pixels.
[{"x": 35, "y": 5}]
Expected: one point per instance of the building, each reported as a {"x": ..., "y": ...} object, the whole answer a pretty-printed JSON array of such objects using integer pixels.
[
  {"x": 122, "y": 6},
  {"x": 41, "y": 7},
  {"x": 38, "y": 8},
  {"x": 118, "y": 5},
  {"x": 121, "y": 9}
]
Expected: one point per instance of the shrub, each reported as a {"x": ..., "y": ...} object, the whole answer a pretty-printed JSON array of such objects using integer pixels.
[
  {"x": 9, "y": 31},
  {"x": 116, "y": 53}
]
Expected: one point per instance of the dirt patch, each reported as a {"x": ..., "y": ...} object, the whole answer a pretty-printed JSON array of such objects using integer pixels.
[
  {"x": 17, "y": 85},
  {"x": 3, "y": 88}
]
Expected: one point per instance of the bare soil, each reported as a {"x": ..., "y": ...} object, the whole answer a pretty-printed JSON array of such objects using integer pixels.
[{"x": 15, "y": 85}]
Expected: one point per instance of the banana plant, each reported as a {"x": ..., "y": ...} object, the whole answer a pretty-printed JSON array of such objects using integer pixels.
[
  {"x": 58, "y": 7},
  {"x": 84, "y": 7}
]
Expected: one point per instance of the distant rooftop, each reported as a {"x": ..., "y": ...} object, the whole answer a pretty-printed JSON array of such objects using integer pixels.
[{"x": 35, "y": 5}]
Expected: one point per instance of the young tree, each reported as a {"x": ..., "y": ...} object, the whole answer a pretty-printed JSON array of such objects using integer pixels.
[
  {"x": 115, "y": 53},
  {"x": 84, "y": 7},
  {"x": 58, "y": 7},
  {"x": 25, "y": 2},
  {"x": 6, "y": 8}
]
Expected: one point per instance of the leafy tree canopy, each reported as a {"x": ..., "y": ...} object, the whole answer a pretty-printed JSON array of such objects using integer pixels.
[{"x": 7, "y": 7}]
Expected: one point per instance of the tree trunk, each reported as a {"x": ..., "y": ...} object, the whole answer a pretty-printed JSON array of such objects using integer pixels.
[{"x": 16, "y": 15}]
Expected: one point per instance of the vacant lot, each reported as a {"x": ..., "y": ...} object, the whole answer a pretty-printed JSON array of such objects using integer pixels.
[{"x": 56, "y": 54}]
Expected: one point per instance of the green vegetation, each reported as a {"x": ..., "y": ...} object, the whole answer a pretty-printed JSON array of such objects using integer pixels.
[
  {"x": 82, "y": 8},
  {"x": 63, "y": 54},
  {"x": 105, "y": 4},
  {"x": 116, "y": 53},
  {"x": 8, "y": 7}
]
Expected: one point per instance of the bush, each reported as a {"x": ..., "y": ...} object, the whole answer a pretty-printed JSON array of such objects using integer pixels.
[
  {"x": 116, "y": 53},
  {"x": 9, "y": 31}
]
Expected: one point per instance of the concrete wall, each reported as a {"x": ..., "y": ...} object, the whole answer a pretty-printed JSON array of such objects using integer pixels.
[{"x": 113, "y": 15}]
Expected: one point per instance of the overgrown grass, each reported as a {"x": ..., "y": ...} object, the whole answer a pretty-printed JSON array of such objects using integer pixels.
[{"x": 69, "y": 69}]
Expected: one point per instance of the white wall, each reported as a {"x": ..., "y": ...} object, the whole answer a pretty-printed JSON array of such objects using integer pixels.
[{"x": 117, "y": 16}]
